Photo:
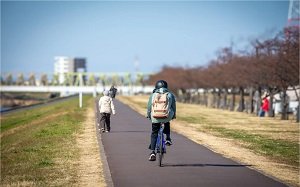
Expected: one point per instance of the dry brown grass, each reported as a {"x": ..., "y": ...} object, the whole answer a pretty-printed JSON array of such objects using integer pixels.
[
  {"x": 90, "y": 169},
  {"x": 277, "y": 129},
  {"x": 199, "y": 118}
]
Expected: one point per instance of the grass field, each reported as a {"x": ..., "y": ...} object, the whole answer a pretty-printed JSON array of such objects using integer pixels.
[
  {"x": 37, "y": 145},
  {"x": 272, "y": 143}
]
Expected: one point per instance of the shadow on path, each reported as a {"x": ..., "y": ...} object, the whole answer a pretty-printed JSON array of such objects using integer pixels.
[
  {"x": 129, "y": 132},
  {"x": 204, "y": 165}
]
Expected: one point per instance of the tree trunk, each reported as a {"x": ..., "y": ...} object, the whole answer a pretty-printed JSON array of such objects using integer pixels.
[
  {"x": 188, "y": 97},
  {"x": 271, "y": 110},
  {"x": 219, "y": 98},
  {"x": 251, "y": 100},
  {"x": 232, "y": 100},
  {"x": 285, "y": 106},
  {"x": 181, "y": 94},
  {"x": 298, "y": 113},
  {"x": 205, "y": 99},
  {"x": 242, "y": 100},
  {"x": 258, "y": 100},
  {"x": 298, "y": 107},
  {"x": 201, "y": 98},
  {"x": 198, "y": 97},
  {"x": 214, "y": 99},
  {"x": 225, "y": 98}
]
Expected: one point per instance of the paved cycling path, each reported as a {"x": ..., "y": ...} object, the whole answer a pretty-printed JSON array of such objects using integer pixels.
[{"x": 185, "y": 164}]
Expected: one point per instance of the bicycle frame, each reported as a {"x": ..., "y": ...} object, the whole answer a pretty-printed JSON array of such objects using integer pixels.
[{"x": 160, "y": 144}]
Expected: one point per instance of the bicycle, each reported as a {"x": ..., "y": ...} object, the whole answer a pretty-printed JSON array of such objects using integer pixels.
[{"x": 161, "y": 144}]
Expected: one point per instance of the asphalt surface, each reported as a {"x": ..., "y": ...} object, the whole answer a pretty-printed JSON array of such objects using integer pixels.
[{"x": 186, "y": 163}]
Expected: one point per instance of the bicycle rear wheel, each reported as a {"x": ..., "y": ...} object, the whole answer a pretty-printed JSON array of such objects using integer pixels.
[{"x": 161, "y": 150}]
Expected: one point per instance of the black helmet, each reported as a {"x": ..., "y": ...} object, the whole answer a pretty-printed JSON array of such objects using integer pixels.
[{"x": 161, "y": 84}]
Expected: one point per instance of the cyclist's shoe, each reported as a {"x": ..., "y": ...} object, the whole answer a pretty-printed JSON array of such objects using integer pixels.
[
  {"x": 169, "y": 142},
  {"x": 152, "y": 157}
]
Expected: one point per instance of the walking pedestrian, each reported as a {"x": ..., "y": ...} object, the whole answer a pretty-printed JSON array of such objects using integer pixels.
[
  {"x": 106, "y": 108},
  {"x": 113, "y": 91},
  {"x": 264, "y": 106}
]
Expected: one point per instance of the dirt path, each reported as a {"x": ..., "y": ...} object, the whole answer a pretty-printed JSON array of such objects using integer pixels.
[{"x": 90, "y": 167}]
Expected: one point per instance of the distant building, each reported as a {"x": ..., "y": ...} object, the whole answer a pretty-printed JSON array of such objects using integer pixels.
[
  {"x": 79, "y": 65},
  {"x": 63, "y": 65}
]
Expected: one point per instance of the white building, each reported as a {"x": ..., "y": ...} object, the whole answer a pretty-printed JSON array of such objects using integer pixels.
[
  {"x": 292, "y": 100},
  {"x": 62, "y": 65}
]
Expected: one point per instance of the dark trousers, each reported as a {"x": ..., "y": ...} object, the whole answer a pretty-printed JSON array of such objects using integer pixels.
[
  {"x": 154, "y": 134},
  {"x": 105, "y": 121}
]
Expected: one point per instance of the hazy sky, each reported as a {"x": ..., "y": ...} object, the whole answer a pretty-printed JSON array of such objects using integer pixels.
[{"x": 111, "y": 34}]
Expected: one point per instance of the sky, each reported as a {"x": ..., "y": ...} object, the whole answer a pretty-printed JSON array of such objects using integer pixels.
[{"x": 114, "y": 35}]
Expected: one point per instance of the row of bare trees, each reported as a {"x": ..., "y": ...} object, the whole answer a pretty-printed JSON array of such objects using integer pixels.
[
  {"x": 271, "y": 65},
  {"x": 73, "y": 79}
]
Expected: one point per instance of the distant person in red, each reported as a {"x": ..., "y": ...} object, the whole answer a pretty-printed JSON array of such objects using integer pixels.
[{"x": 264, "y": 106}]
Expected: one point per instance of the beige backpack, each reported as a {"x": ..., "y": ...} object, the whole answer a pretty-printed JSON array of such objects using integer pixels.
[{"x": 160, "y": 105}]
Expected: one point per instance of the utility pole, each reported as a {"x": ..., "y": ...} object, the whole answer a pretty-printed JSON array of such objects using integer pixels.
[
  {"x": 294, "y": 14},
  {"x": 293, "y": 21},
  {"x": 136, "y": 68}
]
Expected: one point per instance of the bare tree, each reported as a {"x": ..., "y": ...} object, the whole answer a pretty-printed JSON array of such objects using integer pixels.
[
  {"x": 20, "y": 80},
  {"x": 31, "y": 79},
  {"x": 44, "y": 80},
  {"x": 9, "y": 79}
]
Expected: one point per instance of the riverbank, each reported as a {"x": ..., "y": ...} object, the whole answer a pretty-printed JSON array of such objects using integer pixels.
[
  {"x": 14, "y": 100},
  {"x": 9, "y": 101}
]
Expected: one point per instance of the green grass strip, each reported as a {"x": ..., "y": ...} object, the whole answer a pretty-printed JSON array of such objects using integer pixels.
[
  {"x": 42, "y": 153},
  {"x": 15, "y": 119},
  {"x": 285, "y": 151}
]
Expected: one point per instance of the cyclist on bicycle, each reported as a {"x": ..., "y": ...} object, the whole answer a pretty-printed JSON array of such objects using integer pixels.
[{"x": 161, "y": 87}]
